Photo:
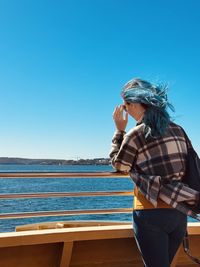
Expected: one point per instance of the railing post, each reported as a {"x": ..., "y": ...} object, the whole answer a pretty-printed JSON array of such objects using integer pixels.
[{"x": 66, "y": 254}]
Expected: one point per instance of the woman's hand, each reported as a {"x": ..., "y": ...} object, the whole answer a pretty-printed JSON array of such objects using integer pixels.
[{"x": 119, "y": 119}]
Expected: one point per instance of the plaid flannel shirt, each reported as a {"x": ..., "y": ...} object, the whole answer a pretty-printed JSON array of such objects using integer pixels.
[{"x": 156, "y": 165}]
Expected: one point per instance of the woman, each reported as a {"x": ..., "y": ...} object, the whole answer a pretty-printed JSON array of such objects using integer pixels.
[{"x": 154, "y": 154}]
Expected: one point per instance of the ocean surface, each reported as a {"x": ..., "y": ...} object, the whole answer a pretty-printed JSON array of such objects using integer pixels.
[
  {"x": 44, "y": 185},
  {"x": 34, "y": 185}
]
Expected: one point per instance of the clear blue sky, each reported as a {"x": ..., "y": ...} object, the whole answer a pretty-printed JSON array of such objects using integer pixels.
[{"x": 63, "y": 63}]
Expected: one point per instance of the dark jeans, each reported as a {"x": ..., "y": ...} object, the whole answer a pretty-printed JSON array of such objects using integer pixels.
[{"x": 158, "y": 233}]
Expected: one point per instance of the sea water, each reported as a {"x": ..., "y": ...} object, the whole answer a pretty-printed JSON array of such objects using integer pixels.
[{"x": 45, "y": 185}]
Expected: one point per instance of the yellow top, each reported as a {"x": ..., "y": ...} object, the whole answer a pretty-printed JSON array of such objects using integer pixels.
[{"x": 140, "y": 202}]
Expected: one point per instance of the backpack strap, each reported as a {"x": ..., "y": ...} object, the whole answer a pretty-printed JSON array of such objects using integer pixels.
[
  {"x": 187, "y": 249},
  {"x": 188, "y": 142}
]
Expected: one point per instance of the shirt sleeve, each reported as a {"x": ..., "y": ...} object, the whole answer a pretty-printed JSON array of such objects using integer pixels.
[{"x": 123, "y": 151}]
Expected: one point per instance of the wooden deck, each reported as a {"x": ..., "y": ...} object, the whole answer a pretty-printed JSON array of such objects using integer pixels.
[{"x": 88, "y": 246}]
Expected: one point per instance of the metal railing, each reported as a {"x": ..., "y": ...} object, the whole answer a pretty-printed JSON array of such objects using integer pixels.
[{"x": 66, "y": 175}]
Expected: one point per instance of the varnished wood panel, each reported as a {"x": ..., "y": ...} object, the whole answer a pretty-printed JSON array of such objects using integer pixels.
[
  {"x": 106, "y": 253},
  {"x": 47, "y": 255},
  {"x": 99, "y": 246}
]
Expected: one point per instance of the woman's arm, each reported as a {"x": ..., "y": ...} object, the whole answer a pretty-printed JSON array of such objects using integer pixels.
[{"x": 123, "y": 151}]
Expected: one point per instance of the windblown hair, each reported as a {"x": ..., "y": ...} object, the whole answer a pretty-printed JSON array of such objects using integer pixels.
[{"x": 154, "y": 98}]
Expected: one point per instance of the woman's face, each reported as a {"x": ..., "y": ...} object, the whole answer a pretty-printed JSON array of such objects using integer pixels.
[{"x": 136, "y": 110}]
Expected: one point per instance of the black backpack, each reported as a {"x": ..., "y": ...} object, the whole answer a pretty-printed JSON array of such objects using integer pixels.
[{"x": 192, "y": 178}]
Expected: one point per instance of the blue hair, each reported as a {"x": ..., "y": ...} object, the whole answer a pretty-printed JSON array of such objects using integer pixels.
[{"x": 154, "y": 98}]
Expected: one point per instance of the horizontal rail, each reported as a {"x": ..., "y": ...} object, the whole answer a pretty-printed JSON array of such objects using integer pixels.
[
  {"x": 63, "y": 213},
  {"x": 66, "y": 194},
  {"x": 63, "y": 194},
  {"x": 63, "y": 175}
]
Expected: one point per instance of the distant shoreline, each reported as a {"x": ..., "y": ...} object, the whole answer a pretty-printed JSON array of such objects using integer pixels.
[{"x": 25, "y": 161}]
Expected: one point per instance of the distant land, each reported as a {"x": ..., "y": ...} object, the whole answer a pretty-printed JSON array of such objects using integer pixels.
[{"x": 24, "y": 161}]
